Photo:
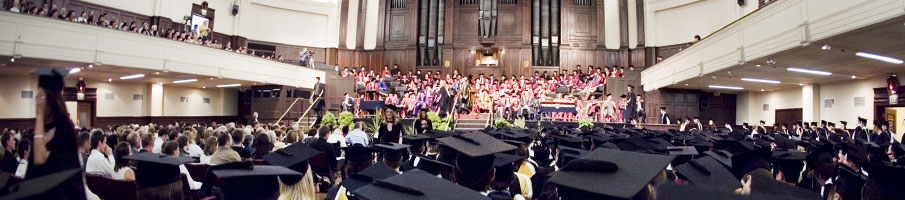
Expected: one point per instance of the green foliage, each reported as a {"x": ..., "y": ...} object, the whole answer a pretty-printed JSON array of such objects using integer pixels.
[
  {"x": 501, "y": 123},
  {"x": 347, "y": 119},
  {"x": 585, "y": 123},
  {"x": 374, "y": 126},
  {"x": 519, "y": 123},
  {"x": 409, "y": 130},
  {"x": 328, "y": 119},
  {"x": 438, "y": 123}
]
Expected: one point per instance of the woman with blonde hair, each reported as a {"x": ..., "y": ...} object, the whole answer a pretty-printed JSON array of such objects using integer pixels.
[{"x": 295, "y": 157}]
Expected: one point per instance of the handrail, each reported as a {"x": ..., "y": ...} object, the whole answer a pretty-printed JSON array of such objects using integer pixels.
[
  {"x": 455, "y": 104},
  {"x": 306, "y": 111},
  {"x": 287, "y": 110},
  {"x": 492, "y": 107}
]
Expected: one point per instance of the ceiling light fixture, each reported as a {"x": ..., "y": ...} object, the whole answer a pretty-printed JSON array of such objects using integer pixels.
[
  {"x": 75, "y": 70},
  {"x": 12, "y": 60},
  {"x": 725, "y": 87},
  {"x": 90, "y": 65},
  {"x": 229, "y": 85},
  {"x": 202, "y": 87},
  {"x": 157, "y": 73},
  {"x": 761, "y": 80},
  {"x": 808, "y": 71},
  {"x": 854, "y": 77},
  {"x": 771, "y": 62},
  {"x": 109, "y": 80},
  {"x": 212, "y": 78},
  {"x": 880, "y": 57},
  {"x": 800, "y": 84},
  {"x": 826, "y": 47},
  {"x": 133, "y": 76},
  {"x": 185, "y": 81},
  {"x": 761, "y": 90},
  {"x": 757, "y": 65}
]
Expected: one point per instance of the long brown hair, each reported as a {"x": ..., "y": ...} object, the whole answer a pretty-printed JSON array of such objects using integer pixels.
[{"x": 56, "y": 108}]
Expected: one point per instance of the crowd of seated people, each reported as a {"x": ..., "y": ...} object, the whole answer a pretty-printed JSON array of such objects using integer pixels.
[
  {"x": 275, "y": 161},
  {"x": 509, "y": 97},
  {"x": 198, "y": 35}
]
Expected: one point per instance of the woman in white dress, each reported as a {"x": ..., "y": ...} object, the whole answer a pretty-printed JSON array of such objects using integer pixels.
[{"x": 121, "y": 170}]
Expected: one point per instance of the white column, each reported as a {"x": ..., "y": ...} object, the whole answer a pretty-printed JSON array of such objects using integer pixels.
[
  {"x": 810, "y": 103},
  {"x": 156, "y": 98}
]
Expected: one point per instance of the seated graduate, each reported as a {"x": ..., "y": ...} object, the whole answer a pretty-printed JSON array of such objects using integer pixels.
[
  {"x": 295, "y": 157},
  {"x": 508, "y": 184},
  {"x": 42, "y": 187},
  {"x": 357, "y": 158},
  {"x": 376, "y": 172},
  {"x": 171, "y": 148},
  {"x": 884, "y": 182},
  {"x": 158, "y": 176},
  {"x": 611, "y": 174},
  {"x": 393, "y": 154},
  {"x": 474, "y": 162},
  {"x": 418, "y": 147}
]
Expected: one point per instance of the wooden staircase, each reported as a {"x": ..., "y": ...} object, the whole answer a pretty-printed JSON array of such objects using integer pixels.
[{"x": 477, "y": 122}]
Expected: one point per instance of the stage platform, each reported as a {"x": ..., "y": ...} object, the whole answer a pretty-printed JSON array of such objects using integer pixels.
[{"x": 547, "y": 124}]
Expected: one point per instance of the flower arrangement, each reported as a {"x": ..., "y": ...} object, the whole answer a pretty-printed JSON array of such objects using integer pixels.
[
  {"x": 519, "y": 123},
  {"x": 501, "y": 123},
  {"x": 440, "y": 124},
  {"x": 584, "y": 123}
]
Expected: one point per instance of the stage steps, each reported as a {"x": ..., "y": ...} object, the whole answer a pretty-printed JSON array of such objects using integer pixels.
[{"x": 472, "y": 122}]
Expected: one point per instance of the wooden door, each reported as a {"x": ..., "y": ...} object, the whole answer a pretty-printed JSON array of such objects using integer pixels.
[
  {"x": 787, "y": 116},
  {"x": 85, "y": 114}
]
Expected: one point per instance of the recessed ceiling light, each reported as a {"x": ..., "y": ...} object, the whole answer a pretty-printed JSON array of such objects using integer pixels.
[
  {"x": 800, "y": 84},
  {"x": 880, "y": 57},
  {"x": 725, "y": 87},
  {"x": 730, "y": 72},
  {"x": 158, "y": 73},
  {"x": 757, "y": 65},
  {"x": 808, "y": 71},
  {"x": 202, "y": 87},
  {"x": 185, "y": 81},
  {"x": 761, "y": 80},
  {"x": 91, "y": 66},
  {"x": 826, "y": 47},
  {"x": 229, "y": 85},
  {"x": 109, "y": 80},
  {"x": 75, "y": 70},
  {"x": 132, "y": 76},
  {"x": 212, "y": 78},
  {"x": 12, "y": 60},
  {"x": 854, "y": 77},
  {"x": 761, "y": 90},
  {"x": 686, "y": 84}
]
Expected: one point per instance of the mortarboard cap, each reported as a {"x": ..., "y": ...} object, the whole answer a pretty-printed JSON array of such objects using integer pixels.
[
  {"x": 884, "y": 181},
  {"x": 790, "y": 163},
  {"x": 375, "y": 172},
  {"x": 707, "y": 172},
  {"x": 416, "y": 139},
  {"x": 611, "y": 174},
  {"x": 722, "y": 156},
  {"x": 44, "y": 187},
  {"x": 682, "y": 192},
  {"x": 156, "y": 169},
  {"x": 476, "y": 144},
  {"x": 430, "y": 165},
  {"x": 416, "y": 185},
  {"x": 755, "y": 159},
  {"x": 51, "y": 78},
  {"x": 848, "y": 183},
  {"x": 294, "y": 157},
  {"x": 824, "y": 154},
  {"x": 359, "y": 154},
  {"x": 764, "y": 185},
  {"x": 245, "y": 180},
  {"x": 393, "y": 151}
]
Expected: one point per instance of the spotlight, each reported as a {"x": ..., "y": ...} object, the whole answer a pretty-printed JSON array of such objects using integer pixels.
[
  {"x": 714, "y": 77},
  {"x": 212, "y": 78},
  {"x": 771, "y": 62},
  {"x": 686, "y": 84},
  {"x": 826, "y": 47},
  {"x": 202, "y": 87}
]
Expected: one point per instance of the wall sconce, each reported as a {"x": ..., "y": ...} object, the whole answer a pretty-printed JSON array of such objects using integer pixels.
[{"x": 446, "y": 63}]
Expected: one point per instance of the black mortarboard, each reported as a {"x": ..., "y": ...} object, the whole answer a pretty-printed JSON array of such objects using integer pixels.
[
  {"x": 764, "y": 185},
  {"x": 659, "y": 144},
  {"x": 856, "y": 152},
  {"x": 722, "y": 156},
  {"x": 682, "y": 192},
  {"x": 416, "y": 139},
  {"x": 783, "y": 142},
  {"x": 391, "y": 107},
  {"x": 824, "y": 154},
  {"x": 156, "y": 169},
  {"x": 476, "y": 144},
  {"x": 249, "y": 181},
  {"x": 430, "y": 165},
  {"x": 884, "y": 181},
  {"x": 843, "y": 122},
  {"x": 707, "y": 172},
  {"x": 503, "y": 163},
  {"x": 745, "y": 162},
  {"x": 359, "y": 154},
  {"x": 610, "y": 174},
  {"x": 567, "y": 154},
  {"x": 44, "y": 187},
  {"x": 415, "y": 185},
  {"x": 790, "y": 162},
  {"x": 294, "y": 157},
  {"x": 862, "y": 120},
  {"x": 569, "y": 141},
  {"x": 734, "y": 146},
  {"x": 682, "y": 153},
  {"x": 637, "y": 143},
  {"x": 51, "y": 79},
  {"x": 848, "y": 183},
  {"x": 375, "y": 172},
  {"x": 393, "y": 151}
]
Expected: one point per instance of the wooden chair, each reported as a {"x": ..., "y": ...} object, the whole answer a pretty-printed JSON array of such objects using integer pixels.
[
  {"x": 107, "y": 188},
  {"x": 260, "y": 162}
]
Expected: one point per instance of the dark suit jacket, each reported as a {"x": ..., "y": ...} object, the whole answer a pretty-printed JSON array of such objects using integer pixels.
[
  {"x": 859, "y": 134},
  {"x": 322, "y": 145},
  {"x": 243, "y": 152}
]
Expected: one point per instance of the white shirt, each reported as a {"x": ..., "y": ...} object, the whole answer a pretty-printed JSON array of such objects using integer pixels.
[
  {"x": 23, "y": 166},
  {"x": 204, "y": 159},
  {"x": 100, "y": 165},
  {"x": 194, "y": 185},
  {"x": 157, "y": 145},
  {"x": 337, "y": 136},
  {"x": 195, "y": 150}
]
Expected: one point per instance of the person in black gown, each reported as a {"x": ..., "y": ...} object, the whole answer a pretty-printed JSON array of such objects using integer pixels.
[
  {"x": 391, "y": 129},
  {"x": 54, "y": 148}
]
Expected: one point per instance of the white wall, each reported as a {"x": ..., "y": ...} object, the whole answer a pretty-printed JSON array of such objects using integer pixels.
[
  {"x": 352, "y": 23},
  {"x": 669, "y": 22},
  {"x": 224, "y": 102},
  {"x": 749, "y": 104},
  {"x": 13, "y": 106},
  {"x": 370, "y": 41}
]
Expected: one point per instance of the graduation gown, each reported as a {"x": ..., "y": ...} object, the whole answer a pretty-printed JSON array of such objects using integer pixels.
[
  {"x": 445, "y": 100},
  {"x": 631, "y": 107},
  {"x": 859, "y": 134}
]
